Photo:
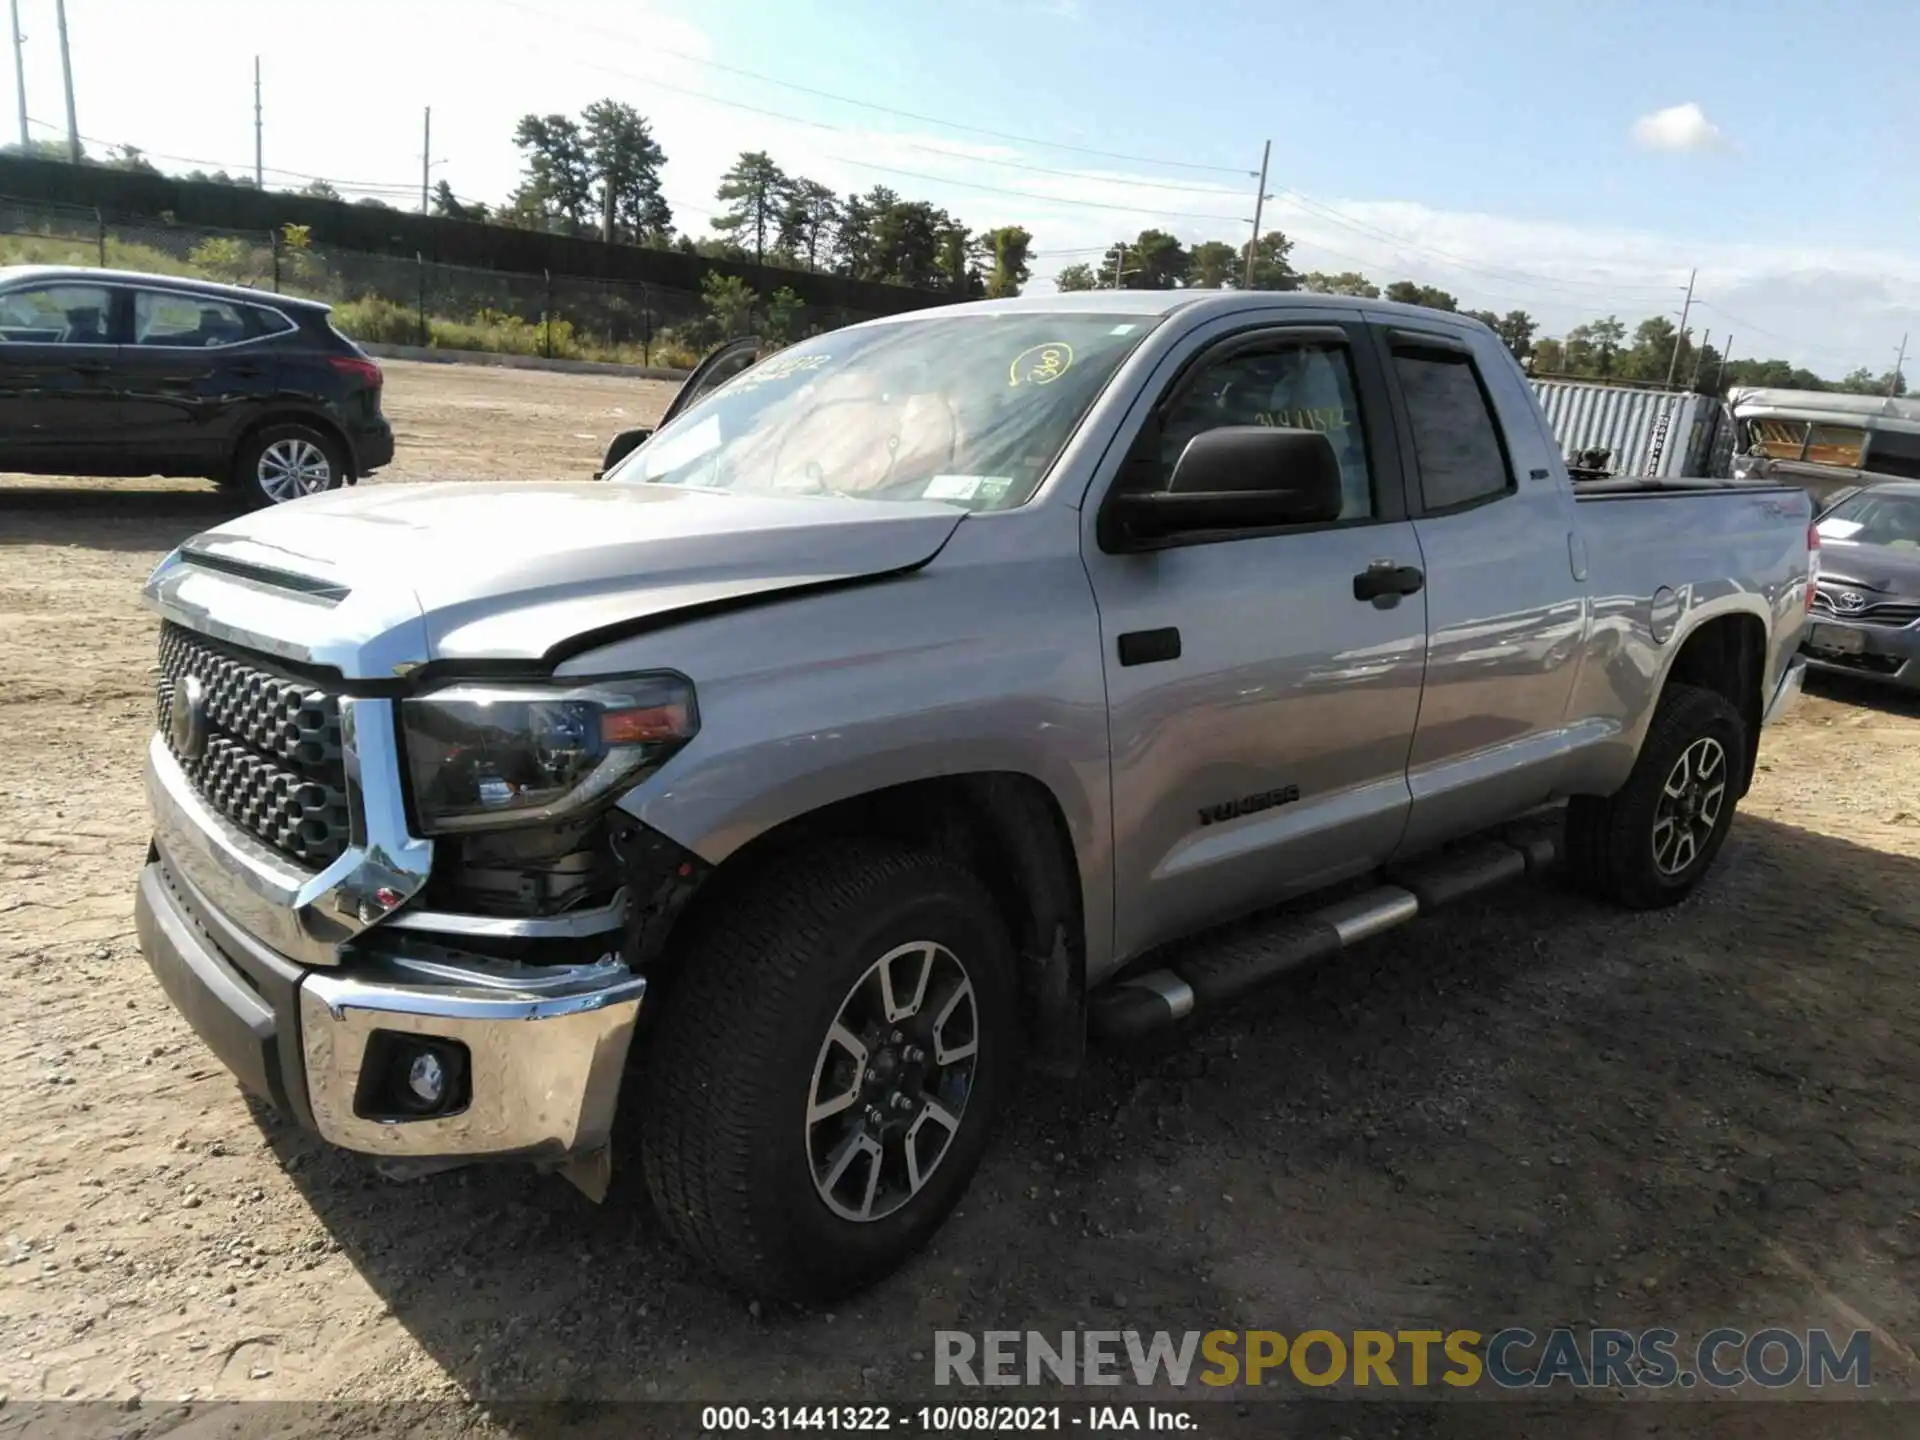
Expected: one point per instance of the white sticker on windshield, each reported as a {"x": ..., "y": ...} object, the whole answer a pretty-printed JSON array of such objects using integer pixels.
[
  {"x": 1838, "y": 529},
  {"x": 1123, "y": 329},
  {"x": 957, "y": 487}
]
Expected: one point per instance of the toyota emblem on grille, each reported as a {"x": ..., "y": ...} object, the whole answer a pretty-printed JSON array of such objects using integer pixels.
[
  {"x": 1852, "y": 602},
  {"x": 187, "y": 718}
]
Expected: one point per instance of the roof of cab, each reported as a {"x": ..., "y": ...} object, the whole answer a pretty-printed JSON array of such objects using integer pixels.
[
  {"x": 1200, "y": 302},
  {"x": 185, "y": 284}
]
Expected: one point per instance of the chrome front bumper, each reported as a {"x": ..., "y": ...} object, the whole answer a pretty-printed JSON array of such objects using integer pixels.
[{"x": 546, "y": 1046}]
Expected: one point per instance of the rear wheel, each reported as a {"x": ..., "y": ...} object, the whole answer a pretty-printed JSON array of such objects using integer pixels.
[
  {"x": 828, "y": 1070},
  {"x": 1650, "y": 843},
  {"x": 284, "y": 462}
]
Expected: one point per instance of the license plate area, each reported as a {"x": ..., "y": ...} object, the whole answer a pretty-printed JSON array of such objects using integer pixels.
[{"x": 1836, "y": 640}]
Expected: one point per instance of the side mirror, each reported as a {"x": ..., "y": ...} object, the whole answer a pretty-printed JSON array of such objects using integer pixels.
[
  {"x": 1237, "y": 477},
  {"x": 623, "y": 445}
]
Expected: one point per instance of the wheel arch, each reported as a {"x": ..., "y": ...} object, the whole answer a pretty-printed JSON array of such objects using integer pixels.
[
  {"x": 293, "y": 415},
  {"x": 1727, "y": 654},
  {"x": 1007, "y": 828}
]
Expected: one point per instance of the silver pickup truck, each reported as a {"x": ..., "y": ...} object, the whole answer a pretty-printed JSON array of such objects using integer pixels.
[{"x": 876, "y": 725}]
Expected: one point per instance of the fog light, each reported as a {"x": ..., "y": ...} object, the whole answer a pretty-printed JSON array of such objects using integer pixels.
[
  {"x": 412, "y": 1077},
  {"x": 427, "y": 1078}
]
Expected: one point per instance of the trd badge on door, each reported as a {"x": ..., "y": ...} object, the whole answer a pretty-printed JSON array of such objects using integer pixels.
[{"x": 1248, "y": 804}]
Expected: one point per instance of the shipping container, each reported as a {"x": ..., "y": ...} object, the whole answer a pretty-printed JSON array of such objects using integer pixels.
[{"x": 1645, "y": 432}]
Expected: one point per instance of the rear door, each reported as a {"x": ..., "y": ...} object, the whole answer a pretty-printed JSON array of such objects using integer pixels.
[
  {"x": 193, "y": 369},
  {"x": 57, "y": 382},
  {"x": 1506, "y": 595},
  {"x": 1260, "y": 713}
]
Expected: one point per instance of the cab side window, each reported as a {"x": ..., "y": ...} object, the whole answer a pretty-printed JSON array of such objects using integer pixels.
[
  {"x": 1300, "y": 386},
  {"x": 1456, "y": 440}
]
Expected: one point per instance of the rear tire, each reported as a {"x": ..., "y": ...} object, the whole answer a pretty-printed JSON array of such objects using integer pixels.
[
  {"x": 287, "y": 461},
  {"x": 1652, "y": 841},
  {"x": 805, "y": 1128}
]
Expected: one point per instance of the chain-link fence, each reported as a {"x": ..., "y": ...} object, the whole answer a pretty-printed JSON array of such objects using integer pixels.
[{"x": 390, "y": 299}]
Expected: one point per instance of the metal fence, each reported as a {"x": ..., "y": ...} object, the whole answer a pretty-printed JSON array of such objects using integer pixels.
[{"x": 395, "y": 300}]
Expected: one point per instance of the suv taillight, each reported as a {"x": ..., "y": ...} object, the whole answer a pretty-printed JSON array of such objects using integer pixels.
[
  {"x": 357, "y": 366},
  {"x": 1813, "y": 562}
]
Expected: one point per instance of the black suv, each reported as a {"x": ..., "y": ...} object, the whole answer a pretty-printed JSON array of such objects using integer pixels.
[{"x": 105, "y": 372}]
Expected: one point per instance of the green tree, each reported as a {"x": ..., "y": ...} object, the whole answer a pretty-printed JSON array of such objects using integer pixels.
[
  {"x": 728, "y": 301},
  {"x": 1549, "y": 357},
  {"x": 1517, "y": 328},
  {"x": 1004, "y": 251},
  {"x": 625, "y": 160},
  {"x": 856, "y": 239},
  {"x": 557, "y": 188},
  {"x": 446, "y": 203},
  {"x": 1654, "y": 351},
  {"x": 1213, "y": 265},
  {"x": 1271, "y": 270},
  {"x": 319, "y": 190},
  {"x": 1405, "y": 292},
  {"x": 1153, "y": 260},
  {"x": 908, "y": 240},
  {"x": 808, "y": 213},
  {"x": 1347, "y": 282},
  {"x": 1864, "y": 382},
  {"x": 131, "y": 158},
  {"x": 785, "y": 311},
  {"x": 753, "y": 190},
  {"x": 1075, "y": 277},
  {"x": 1594, "y": 348}
]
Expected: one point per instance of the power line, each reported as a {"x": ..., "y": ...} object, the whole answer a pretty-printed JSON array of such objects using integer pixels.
[
  {"x": 1040, "y": 199},
  {"x": 883, "y": 109}
]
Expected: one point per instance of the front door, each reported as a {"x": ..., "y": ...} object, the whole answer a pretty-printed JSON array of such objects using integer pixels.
[
  {"x": 1260, "y": 713},
  {"x": 58, "y": 404}
]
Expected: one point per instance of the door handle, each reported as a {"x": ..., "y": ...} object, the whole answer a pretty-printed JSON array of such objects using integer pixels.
[{"x": 1384, "y": 582}]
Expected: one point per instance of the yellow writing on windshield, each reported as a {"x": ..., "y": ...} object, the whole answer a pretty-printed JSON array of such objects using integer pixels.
[{"x": 1040, "y": 364}]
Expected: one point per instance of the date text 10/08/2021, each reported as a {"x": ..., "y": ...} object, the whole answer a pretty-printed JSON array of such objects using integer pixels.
[{"x": 945, "y": 1419}]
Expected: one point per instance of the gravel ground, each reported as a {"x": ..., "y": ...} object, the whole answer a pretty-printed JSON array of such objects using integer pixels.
[{"x": 1530, "y": 1110}]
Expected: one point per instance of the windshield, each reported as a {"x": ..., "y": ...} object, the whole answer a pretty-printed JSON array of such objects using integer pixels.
[
  {"x": 1869, "y": 519},
  {"x": 970, "y": 409}
]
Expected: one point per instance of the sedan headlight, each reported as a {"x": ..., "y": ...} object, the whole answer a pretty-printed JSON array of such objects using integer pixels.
[{"x": 482, "y": 756}]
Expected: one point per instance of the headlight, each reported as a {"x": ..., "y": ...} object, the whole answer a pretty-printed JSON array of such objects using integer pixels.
[{"x": 482, "y": 756}]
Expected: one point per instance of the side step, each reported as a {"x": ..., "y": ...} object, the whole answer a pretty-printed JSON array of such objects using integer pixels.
[{"x": 1240, "y": 961}]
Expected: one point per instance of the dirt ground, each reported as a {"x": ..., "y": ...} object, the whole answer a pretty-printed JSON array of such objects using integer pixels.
[{"x": 1531, "y": 1110}]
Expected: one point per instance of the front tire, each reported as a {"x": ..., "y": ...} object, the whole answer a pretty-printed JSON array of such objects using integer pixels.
[
  {"x": 1652, "y": 841},
  {"x": 278, "y": 463},
  {"x": 828, "y": 1069}
]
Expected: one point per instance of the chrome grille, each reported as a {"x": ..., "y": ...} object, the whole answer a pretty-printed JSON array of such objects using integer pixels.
[
  {"x": 1874, "y": 612},
  {"x": 271, "y": 762}
]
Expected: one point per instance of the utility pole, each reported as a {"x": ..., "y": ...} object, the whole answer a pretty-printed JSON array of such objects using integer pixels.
[
  {"x": 259, "y": 143},
  {"x": 426, "y": 156},
  {"x": 1119, "y": 255},
  {"x": 1893, "y": 383},
  {"x": 1699, "y": 357},
  {"x": 1674, "y": 364},
  {"x": 1721, "y": 370},
  {"x": 1259, "y": 199},
  {"x": 20, "y": 75},
  {"x": 66, "y": 70}
]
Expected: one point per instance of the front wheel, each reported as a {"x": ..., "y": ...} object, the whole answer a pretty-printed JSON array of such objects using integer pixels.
[
  {"x": 828, "y": 1069},
  {"x": 285, "y": 462},
  {"x": 1651, "y": 842}
]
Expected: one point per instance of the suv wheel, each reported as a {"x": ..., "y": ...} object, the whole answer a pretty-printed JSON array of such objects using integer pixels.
[
  {"x": 828, "y": 1068},
  {"x": 285, "y": 462},
  {"x": 1650, "y": 843}
]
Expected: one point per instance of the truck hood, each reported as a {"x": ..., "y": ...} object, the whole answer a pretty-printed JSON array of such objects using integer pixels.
[
  {"x": 515, "y": 571},
  {"x": 1871, "y": 567}
]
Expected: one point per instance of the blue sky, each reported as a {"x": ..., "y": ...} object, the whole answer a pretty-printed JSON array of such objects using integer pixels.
[{"x": 1572, "y": 160}]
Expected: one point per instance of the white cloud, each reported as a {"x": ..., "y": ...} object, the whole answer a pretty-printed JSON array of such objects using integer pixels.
[{"x": 1678, "y": 127}]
